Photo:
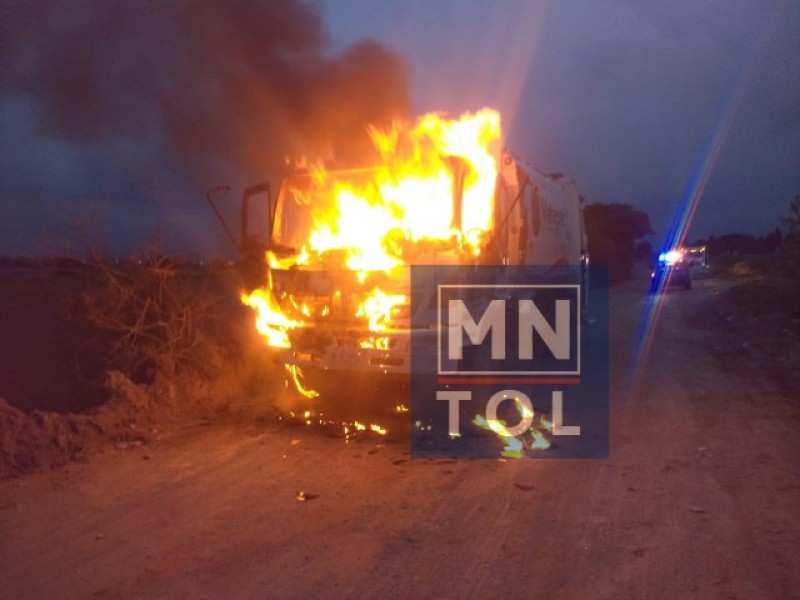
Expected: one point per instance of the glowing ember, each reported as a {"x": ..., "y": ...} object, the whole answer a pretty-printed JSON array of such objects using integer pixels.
[
  {"x": 515, "y": 445},
  {"x": 539, "y": 441},
  {"x": 348, "y": 428}
]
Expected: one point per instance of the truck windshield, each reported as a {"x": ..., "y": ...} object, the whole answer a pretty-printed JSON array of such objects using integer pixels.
[{"x": 306, "y": 200}]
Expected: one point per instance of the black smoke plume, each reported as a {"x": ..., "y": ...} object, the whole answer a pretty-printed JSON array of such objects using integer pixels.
[{"x": 224, "y": 88}]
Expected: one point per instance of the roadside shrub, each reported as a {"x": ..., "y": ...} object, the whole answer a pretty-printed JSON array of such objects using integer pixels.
[
  {"x": 741, "y": 269},
  {"x": 160, "y": 319}
]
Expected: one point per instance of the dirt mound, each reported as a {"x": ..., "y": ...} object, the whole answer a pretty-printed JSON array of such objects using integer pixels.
[
  {"x": 134, "y": 414},
  {"x": 43, "y": 439},
  {"x": 30, "y": 442}
]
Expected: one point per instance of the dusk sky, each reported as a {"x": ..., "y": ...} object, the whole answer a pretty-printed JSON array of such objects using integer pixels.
[{"x": 135, "y": 115}]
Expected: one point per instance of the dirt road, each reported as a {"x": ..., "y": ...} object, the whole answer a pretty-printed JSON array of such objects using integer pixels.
[{"x": 700, "y": 498}]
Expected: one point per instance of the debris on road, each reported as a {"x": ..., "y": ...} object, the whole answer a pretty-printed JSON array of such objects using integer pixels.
[
  {"x": 127, "y": 441},
  {"x": 525, "y": 488}
]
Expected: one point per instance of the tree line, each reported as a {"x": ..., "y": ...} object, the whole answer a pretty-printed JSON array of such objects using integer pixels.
[{"x": 616, "y": 232}]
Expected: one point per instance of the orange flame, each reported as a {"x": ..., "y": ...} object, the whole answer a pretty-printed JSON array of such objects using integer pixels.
[
  {"x": 370, "y": 221},
  {"x": 270, "y": 321},
  {"x": 377, "y": 308}
]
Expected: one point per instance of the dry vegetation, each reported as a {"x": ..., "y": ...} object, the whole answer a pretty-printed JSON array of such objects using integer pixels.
[
  {"x": 154, "y": 344},
  {"x": 161, "y": 322}
]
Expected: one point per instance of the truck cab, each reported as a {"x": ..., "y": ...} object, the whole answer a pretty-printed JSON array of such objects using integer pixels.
[{"x": 335, "y": 311}]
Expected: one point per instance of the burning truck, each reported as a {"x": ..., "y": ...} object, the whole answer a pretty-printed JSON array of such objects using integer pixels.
[{"x": 330, "y": 289}]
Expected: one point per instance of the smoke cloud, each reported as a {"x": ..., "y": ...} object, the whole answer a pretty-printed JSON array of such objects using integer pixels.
[{"x": 223, "y": 89}]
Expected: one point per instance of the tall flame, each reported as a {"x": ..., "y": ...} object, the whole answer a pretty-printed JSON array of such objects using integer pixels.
[{"x": 371, "y": 222}]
